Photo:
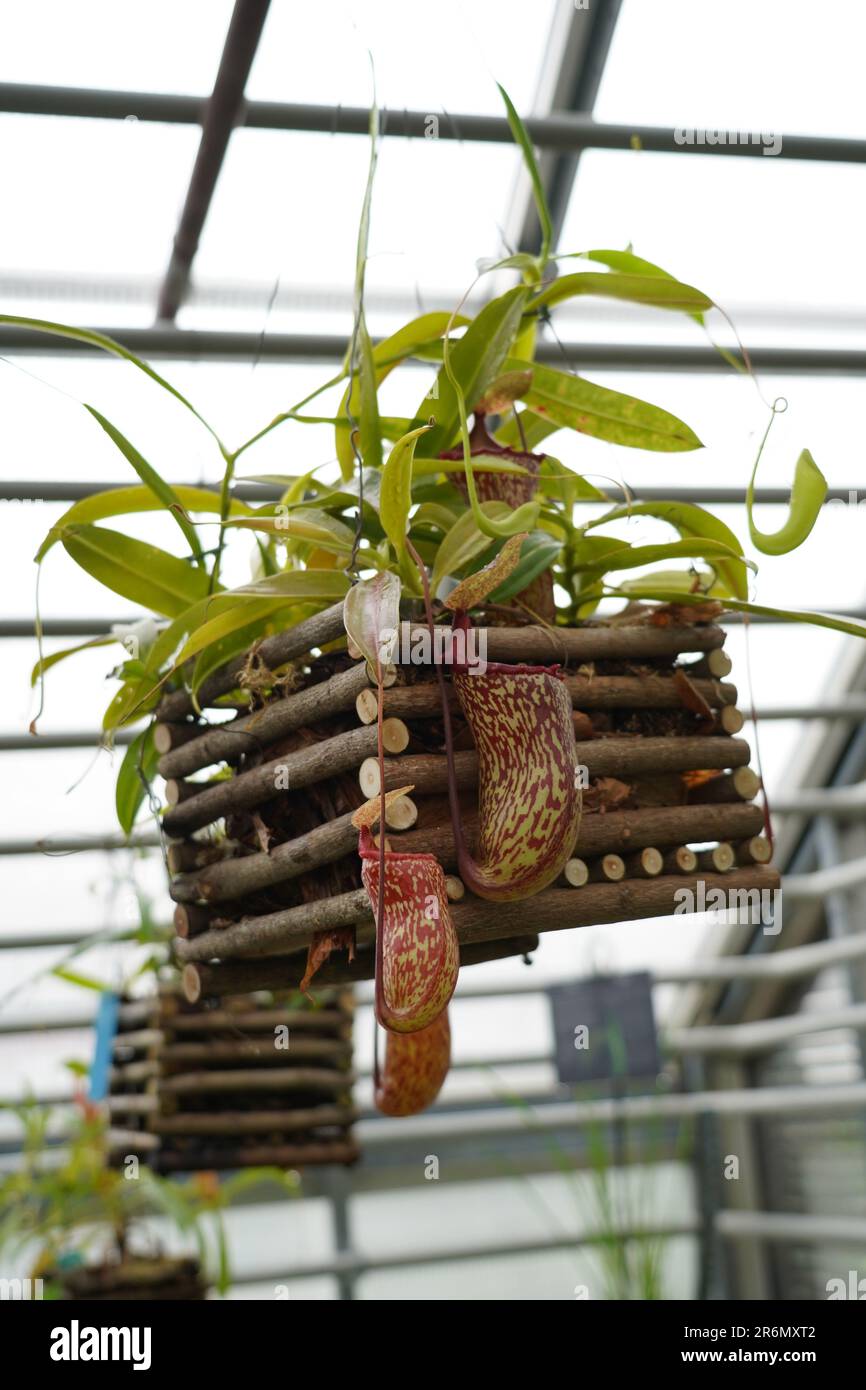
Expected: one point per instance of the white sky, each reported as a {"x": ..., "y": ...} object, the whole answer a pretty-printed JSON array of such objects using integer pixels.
[{"x": 778, "y": 242}]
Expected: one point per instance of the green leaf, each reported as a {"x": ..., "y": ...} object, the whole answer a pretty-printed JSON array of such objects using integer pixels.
[
  {"x": 72, "y": 977},
  {"x": 535, "y": 430},
  {"x": 503, "y": 392},
  {"x": 369, "y": 432},
  {"x": 162, "y": 490},
  {"x": 142, "y": 573},
  {"x": 131, "y": 702},
  {"x": 475, "y": 361},
  {"x": 464, "y": 542},
  {"x": 429, "y": 488},
  {"x": 807, "y": 497},
  {"x": 290, "y": 584},
  {"x": 592, "y": 551},
  {"x": 360, "y": 362},
  {"x": 655, "y": 290},
  {"x": 850, "y": 626},
  {"x": 237, "y": 609},
  {"x": 395, "y": 493},
  {"x": 129, "y": 791},
  {"x": 413, "y": 337},
  {"x": 138, "y": 697},
  {"x": 222, "y": 625},
  {"x": 242, "y": 638},
  {"x": 692, "y": 521},
  {"x": 490, "y": 463},
  {"x": 435, "y": 514},
  {"x": 629, "y": 264},
  {"x": 47, "y": 662},
  {"x": 122, "y": 501},
  {"x": 556, "y": 480},
  {"x": 630, "y": 556},
  {"x": 521, "y": 138},
  {"x": 421, "y": 332},
  {"x": 678, "y": 581},
  {"x": 371, "y": 617},
  {"x": 101, "y": 340},
  {"x": 605, "y": 414},
  {"x": 307, "y": 524},
  {"x": 537, "y": 554},
  {"x": 223, "y": 1275}
]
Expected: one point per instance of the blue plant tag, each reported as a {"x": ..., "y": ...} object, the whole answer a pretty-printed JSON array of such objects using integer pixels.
[
  {"x": 105, "y": 1028},
  {"x": 71, "y": 1259}
]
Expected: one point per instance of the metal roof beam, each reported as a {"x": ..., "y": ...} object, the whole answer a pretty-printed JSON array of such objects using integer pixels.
[
  {"x": 97, "y": 627},
  {"x": 220, "y": 117},
  {"x": 579, "y": 45},
  {"x": 64, "y": 490},
  {"x": 166, "y": 341},
  {"x": 571, "y": 133}
]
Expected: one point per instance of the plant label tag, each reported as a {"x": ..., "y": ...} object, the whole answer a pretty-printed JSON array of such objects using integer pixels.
[
  {"x": 604, "y": 1029},
  {"x": 105, "y": 1029}
]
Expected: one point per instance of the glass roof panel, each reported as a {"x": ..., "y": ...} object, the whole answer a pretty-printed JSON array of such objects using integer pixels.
[
  {"x": 287, "y": 207},
  {"x": 746, "y": 231},
  {"x": 783, "y": 65},
  {"x": 158, "y": 47},
  {"x": 92, "y": 196},
  {"x": 448, "y": 57}
]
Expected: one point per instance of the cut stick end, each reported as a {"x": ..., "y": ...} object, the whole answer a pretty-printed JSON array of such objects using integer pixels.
[
  {"x": 173, "y": 792},
  {"x": 367, "y": 706},
  {"x": 720, "y": 859},
  {"x": 162, "y": 738},
  {"x": 681, "y": 860},
  {"x": 395, "y": 735},
  {"x": 731, "y": 720},
  {"x": 610, "y": 868},
  {"x": 719, "y": 663},
  {"x": 613, "y": 867},
  {"x": 368, "y": 776},
  {"x": 402, "y": 814},
  {"x": 576, "y": 873},
  {"x": 454, "y": 888},
  {"x": 746, "y": 783},
  {"x": 176, "y": 857},
  {"x": 167, "y": 736},
  {"x": 191, "y": 983},
  {"x": 757, "y": 850},
  {"x": 648, "y": 862}
]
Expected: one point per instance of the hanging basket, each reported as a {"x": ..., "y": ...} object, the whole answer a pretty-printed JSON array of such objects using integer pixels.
[
  {"x": 155, "y": 1280},
  {"x": 258, "y": 1081},
  {"x": 265, "y": 862}
]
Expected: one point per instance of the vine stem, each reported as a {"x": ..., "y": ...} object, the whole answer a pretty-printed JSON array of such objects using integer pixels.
[
  {"x": 225, "y": 506},
  {"x": 453, "y": 800},
  {"x": 380, "y": 898}
]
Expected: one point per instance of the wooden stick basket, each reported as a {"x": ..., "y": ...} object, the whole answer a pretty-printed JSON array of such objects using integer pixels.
[
  {"x": 259, "y": 1080},
  {"x": 265, "y": 861},
  {"x": 162, "y": 1279}
]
